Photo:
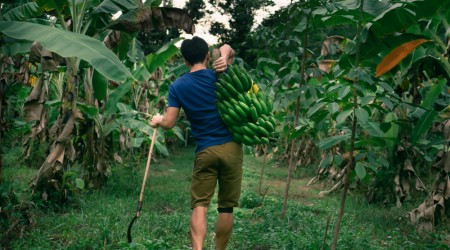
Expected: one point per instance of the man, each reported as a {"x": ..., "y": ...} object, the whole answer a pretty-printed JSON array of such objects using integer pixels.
[{"x": 218, "y": 158}]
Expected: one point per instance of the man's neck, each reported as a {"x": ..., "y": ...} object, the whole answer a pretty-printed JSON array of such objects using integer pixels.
[{"x": 197, "y": 67}]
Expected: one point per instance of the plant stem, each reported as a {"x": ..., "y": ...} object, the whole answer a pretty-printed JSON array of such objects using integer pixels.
[
  {"x": 444, "y": 62},
  {"x": 352, "y": 142},
  {"x": 1, "y": 133},
  {"x": 296, "y": 116},
  {"x": 326, "y": 232},
  {"x": 261, "y": 175}
]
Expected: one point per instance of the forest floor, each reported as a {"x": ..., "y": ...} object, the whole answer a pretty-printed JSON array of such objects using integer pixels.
[{"x": 99, "y": 219}]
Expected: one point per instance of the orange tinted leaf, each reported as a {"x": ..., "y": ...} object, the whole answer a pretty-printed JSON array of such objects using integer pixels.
[{"x": 397, "y": 55}]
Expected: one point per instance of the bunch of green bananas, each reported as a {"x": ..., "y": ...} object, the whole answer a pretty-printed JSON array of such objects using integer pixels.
[{"x": 245, "y": 110}]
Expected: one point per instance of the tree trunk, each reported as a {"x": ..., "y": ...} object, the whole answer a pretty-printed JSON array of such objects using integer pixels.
[
  {"x": 94, "y": 151},
  {"x": 296, "y": 116},
  {"x": 288, "y": 181},
  {"x": 261, "y": 175},
  {"x": 352, "y": 142},
  {"x": 1, "y": 134},
  {"x": 49, "y": 176}
]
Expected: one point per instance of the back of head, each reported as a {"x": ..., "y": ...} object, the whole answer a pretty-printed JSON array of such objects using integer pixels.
[{"x": 194, "y": 50}]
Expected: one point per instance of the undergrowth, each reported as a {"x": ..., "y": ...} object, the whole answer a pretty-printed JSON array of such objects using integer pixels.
[{"x": 98, "y": 219}]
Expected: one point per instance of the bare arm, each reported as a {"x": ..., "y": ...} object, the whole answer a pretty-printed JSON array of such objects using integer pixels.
[
  {"x": 167, "y": 121},
  {"x": 227, "y": 52},
  {"x": 226, "y": 57}
]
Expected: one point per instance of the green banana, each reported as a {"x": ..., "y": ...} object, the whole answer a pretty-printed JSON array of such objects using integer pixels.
[
  {"x": 248, "y": 99},
  {"x": 221, "y": 107},
  {"x": 253, "y": 113},
  {"x": 234, "y": 115},
  {"x": 264, "y": 140},
  {"x": 219, "y": 95},
  {"x": 227, "y": 104},
  {"x": 256, "y": 140},
  {"x": 269, "y": 104},
  {"x": 249, "y": 81},
  {"x": 237, "y": 137},
  {"x": 241, "y": 97},
  {"x": 268, "y": 126},
  {"x": 253, "y": 127},
  {"x": 246, "y": 111},
  {"x": 231, "y": 90},
  {"x": 237, "y": 129},
  {"x": 244, "y": 107},
  {"x": 228, "y": 120},
  {"x": 241, "y": 112},
  {"x": 248, "y": 131},
  {"x": 262, "y": 102},
  {"x": 272, "y": 121},
  {"x": 256, "y": 104},
  {"x": 263, "y": 131},
  {"x": 226, "y": 77},
  {"x": 237, "y": 84},
  {"x": 248, "y": 140},
  {"x": 222, "y": 90},
  {"x": 244, "y": 81}
]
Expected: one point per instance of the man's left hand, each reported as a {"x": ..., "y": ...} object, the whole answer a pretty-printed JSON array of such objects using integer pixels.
[{"x": 220, "y": 65}]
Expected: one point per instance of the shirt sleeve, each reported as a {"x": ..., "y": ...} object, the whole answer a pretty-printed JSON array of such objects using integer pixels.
[{"x": 173, "y": 99}]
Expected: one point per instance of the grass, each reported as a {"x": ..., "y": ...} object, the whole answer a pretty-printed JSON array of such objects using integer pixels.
[{"x": 99, "y": 219}]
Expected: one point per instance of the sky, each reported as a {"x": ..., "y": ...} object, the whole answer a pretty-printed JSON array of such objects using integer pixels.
[{"x": 201, "y": 29}]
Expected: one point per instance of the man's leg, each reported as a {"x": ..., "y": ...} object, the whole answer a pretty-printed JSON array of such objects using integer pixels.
[
  {"x": 198, "y": 227},
  {"x": 230, "y": 182},
  {"x": 224, "y": 227}
]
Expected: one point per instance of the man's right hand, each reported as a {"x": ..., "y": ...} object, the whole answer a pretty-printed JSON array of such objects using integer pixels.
[{"x": 156, "y": 119}]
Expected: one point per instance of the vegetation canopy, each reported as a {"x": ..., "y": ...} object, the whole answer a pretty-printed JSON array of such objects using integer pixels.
[{"x": 343, "y": 108}]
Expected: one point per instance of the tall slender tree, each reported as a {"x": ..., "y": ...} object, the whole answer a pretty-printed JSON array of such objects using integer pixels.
[{"x": 242, "y": 18}]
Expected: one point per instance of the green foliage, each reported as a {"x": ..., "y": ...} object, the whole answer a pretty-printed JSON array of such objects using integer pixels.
[
  {"x": 386, "y": 114},
  {"x": 102, "y": 218},
  {"x": 397, "y": 117},
  {"x": 22, "y": 12},
  {"x": 16, "y": 212},
  {"x": 241, "y": 21},
  {"x": 84, "y": 47},
  {"x": 196, "y": 9},
  {"x": 250, "y": 200},
  {"x": 151, "y": 41}
]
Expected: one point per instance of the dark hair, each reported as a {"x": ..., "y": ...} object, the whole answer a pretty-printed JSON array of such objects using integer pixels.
[{"x": 194, "y": 50}]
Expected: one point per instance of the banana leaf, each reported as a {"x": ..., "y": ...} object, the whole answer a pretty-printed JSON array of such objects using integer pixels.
[{"x": 69, "y": 44}]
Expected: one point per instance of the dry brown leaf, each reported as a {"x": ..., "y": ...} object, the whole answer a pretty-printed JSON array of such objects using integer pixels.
[
  {"x": 70, "y": 151},
  {"x": 33, "y": 111},
  {"x": 149, "y": 19},
  {"x": 407, "y": 166},
  {"x": 330, "y": 45},
  {"x": 35, "y": 52},
  {"x": 397, "y": 55},
  {"x": 101, "y": 167},
  {"x": 36, "y": 92},
  {"x": 447, "y": 189},
  {"x": 112, "y": 39},
  {"x": 447, "y": 129},
  {"x": 118, "y": 158},
  {"x": 419, "y": 185}
]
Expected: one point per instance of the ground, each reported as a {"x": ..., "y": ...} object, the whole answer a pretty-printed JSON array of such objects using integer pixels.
[{"x": 100, "y": 218}]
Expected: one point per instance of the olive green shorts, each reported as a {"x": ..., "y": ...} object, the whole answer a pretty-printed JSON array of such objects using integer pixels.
[{"x": 221, "y": 164}]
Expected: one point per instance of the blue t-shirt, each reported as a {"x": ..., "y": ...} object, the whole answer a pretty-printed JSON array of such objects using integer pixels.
[{"x": 195, "y": 92}]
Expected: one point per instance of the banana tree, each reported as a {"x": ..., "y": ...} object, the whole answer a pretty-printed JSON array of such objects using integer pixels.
[
  {"x": 419, "y": 66},
  {"x": 15, "y": 70},
  {"x": 399, "y": 120},
  {"x": 387, "y": 118},
  {"x": 85, "y": 18}
]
